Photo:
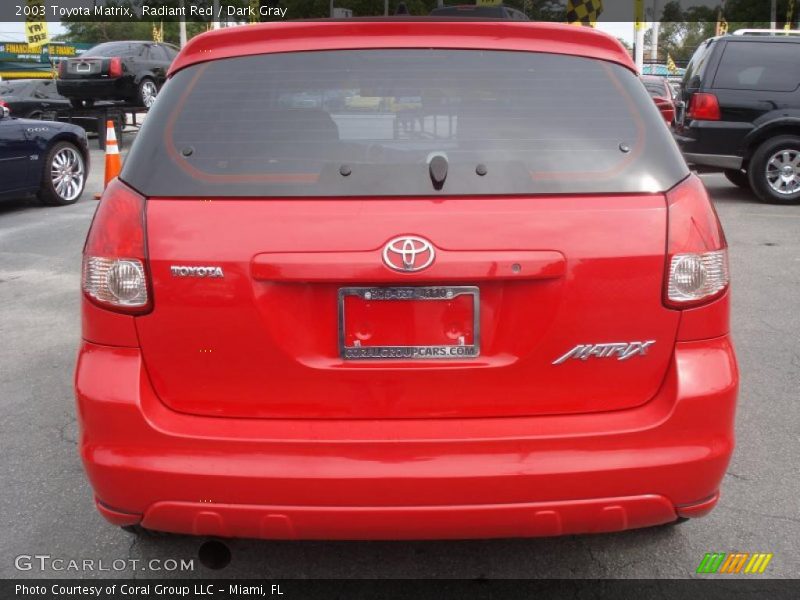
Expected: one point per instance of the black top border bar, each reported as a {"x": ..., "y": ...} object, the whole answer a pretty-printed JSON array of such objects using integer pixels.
[{"x": 750, "y": 13}]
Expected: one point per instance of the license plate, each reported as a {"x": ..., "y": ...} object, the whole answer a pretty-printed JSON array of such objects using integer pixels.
[
  {"x": 83, "y": 68},
  {"x": 409, "y": 323}
]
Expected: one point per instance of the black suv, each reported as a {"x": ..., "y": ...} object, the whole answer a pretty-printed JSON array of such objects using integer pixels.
[{"x": 743, "y": 115}]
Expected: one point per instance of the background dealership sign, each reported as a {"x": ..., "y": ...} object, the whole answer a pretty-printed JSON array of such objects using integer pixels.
[
  {"x": 24, "y": 52},
  {"x": 20, "y": 60}
]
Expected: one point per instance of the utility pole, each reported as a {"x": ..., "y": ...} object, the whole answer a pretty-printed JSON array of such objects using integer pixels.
[
  {"x": 638, "y": 57},
  {"x": 773, "y": 12},
  {"x": 182, "y": 25},
  {"x": 215, "y": 23},
  {"x": 654, "y": 32},
  {"x": 638, "y": 24}
]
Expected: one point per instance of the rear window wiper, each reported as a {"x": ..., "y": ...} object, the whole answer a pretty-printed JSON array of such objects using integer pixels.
[{"x": 437, "y": 169}]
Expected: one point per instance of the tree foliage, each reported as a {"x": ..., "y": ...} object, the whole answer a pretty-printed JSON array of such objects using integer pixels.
[
  {"x": 123, "y": 28},
  {"x": 106, "y": 31},
  {"x": 682, "y": 31}
]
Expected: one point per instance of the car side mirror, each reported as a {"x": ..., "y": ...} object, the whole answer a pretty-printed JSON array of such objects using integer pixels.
[{"x": 4, "y": 112}]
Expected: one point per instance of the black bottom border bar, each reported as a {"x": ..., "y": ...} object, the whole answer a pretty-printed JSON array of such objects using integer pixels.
[{"x": 400, "y": 589}]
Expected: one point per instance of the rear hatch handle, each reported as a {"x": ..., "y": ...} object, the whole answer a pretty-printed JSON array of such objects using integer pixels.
[{"x": 450, "y": 265}]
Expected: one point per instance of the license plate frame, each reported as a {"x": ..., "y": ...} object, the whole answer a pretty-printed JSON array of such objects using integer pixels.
[{"x": 404, "y": 352}]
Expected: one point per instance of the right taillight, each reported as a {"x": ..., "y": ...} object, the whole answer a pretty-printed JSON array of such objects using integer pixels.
[
  {"x": 115, "y": 273},
  {"x": 115, "y": 67},
  {"x": 704, "y": 107},
  {"x": 697, "y": 253}
]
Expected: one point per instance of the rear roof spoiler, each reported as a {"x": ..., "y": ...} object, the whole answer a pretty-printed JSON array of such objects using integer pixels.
[{"x": 355, "y": 34}]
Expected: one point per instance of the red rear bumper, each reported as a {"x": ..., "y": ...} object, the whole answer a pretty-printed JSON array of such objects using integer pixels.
[{"x": 448, "y": 478}]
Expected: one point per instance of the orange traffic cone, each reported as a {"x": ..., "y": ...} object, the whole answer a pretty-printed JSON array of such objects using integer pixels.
[{"x": 113, "y": 163}]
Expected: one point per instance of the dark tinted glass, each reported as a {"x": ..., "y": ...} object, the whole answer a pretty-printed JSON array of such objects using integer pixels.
[
  {"x": 16, "y": 88},
  {"x": 656, "y": 89},
  {"x": 113, "y": 49},
  {"x": 48, "y": 88},
  {"x": 158, "y": 53},
  {"x": 696, "y": 68},
  {"x": 292, "y": 124},
  {"x": 765, "y": 66},
  {"x": 41, "y": 89}
]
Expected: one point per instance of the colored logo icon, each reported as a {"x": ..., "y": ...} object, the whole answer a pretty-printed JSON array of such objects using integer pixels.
[{"x": 735, "y": 562}]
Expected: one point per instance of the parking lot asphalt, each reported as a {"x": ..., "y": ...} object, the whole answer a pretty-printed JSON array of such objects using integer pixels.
[{"x": 47, "y": 506}]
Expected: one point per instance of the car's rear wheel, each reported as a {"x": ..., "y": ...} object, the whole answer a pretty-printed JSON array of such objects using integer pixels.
[
  {"x": 63, "y": 176},
  {"x": 79, "y": 103},
  {"x": 738, "y": 177},
  {"x": 147, "y": 92},
  {"x": 775, "y": 170}
]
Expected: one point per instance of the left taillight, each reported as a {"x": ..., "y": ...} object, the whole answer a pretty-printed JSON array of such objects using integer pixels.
[
  {"x": 704, "y": 107},
  {"x": 115, "y": 269},
  {"x": 62, "y": 68},
  {"x": 115, "y": 67},
  {"x": 697, "y": 252}
]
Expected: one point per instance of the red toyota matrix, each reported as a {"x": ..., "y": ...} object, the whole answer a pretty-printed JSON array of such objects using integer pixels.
[{"x": 410, "y": 279}]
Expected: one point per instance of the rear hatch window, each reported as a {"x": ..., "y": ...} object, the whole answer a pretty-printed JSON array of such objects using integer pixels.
[{"x": 369, "y": 122}]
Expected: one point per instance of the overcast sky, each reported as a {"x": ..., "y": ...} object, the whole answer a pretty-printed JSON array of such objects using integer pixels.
[
  {"x": 618, "y": 30},
  {"x": 16, "y": 31}
]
